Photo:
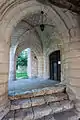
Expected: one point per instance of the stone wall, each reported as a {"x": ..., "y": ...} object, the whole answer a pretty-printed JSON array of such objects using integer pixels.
[
  {"x": 34, "y": 65},
  {"x": 4, "y": 62},
  {"x": 73, "y": 71},
  {"x": 68, "y": 27}
]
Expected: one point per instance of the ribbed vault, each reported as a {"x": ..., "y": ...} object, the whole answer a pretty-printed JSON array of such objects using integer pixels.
[
  {"x": 55, "y": 16},
  {"x": 55, "y": 29}
]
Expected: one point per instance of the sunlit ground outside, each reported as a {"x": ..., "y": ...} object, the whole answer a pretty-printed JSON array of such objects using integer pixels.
[
  {"x": 21, "y": 65},
  {"x": 21, "y": 75}
]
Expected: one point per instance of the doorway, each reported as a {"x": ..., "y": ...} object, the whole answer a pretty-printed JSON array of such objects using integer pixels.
[{"x": 55, "y": 66}]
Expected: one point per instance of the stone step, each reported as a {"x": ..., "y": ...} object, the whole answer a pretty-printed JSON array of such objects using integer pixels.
[
  {"x": 66, "y": 115},
  {"x": 37, "y": 101},
  {"x": 34, "y": 113},
  {"x": 38, "y": 92}
]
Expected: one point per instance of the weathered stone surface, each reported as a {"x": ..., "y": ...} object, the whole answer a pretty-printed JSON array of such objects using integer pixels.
[
  {"x": 27, "y": 94},
  {"x": 68, "y": 115},
  {"x": 12, "y": 11},
  {"x": 22, "y": 114},
  {"x": 41, "y": 111},
  {"x": 3, "y": 113},
  {"x": 55, "y": 97},
  {"x": 37, "y": 101},
  {"x": 4, "y": 109},
  {"x": 28, "y": 115},
  {"x": 17, "y": 104},
  {"x": 41, "y": 118},
  {"x": 61, "y": 106},
  {"x": 39, "y": 92},
  {"x": 14, "y": 107},
  {"x": 49, "y": 117}
]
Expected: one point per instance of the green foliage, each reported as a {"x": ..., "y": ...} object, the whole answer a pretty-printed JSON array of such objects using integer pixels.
[
  {"x": 22, "y": 59},
  {"x": 21, "y": 75}
]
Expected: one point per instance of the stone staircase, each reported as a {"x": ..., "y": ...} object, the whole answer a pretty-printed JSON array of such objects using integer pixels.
[{"x": 39, "y": 103}]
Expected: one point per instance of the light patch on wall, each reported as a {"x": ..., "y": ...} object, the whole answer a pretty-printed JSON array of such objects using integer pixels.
[{"x": 59, "y": 62}]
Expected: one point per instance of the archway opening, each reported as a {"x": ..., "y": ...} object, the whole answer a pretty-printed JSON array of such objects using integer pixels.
[
  {"x": 27, "y": 34},
  {"x": 55, "y": 66},
  {"x": 21, "y": 65}
]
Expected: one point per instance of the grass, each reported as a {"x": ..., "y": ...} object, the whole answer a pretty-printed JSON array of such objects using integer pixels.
[{"x": 21, "y": 75}]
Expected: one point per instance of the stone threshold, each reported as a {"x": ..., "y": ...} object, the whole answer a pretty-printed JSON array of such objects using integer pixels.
[{"x": 38, "y": 92}]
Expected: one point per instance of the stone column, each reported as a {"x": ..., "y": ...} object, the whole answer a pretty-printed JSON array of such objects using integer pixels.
[
  {"x": 12, "y": 64},
  {"x": 40, "y": 66},
  {"x": 4, "y": 66},
  {"x": 29, "y": 62},
  {"x": 46, "y": 67},
  {"x": 34, "y": 64}
]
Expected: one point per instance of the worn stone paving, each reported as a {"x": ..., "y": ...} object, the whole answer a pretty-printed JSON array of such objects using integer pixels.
[
  {"x": 68, "y": 115},
  {"x": 23, "y": 85},
  {"x": 36, "y": 112},
  {"x": 37, "y": 101},
  {"x": 38, "y": 92},
  {"x": 40, "y": 104}
]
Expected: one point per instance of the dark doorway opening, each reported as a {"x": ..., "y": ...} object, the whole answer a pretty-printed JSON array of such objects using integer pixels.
[{"x": 55, "y": 66}]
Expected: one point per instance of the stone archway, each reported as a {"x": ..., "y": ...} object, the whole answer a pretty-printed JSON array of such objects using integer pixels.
[
  {"x": 32, "y": 65},
  {"x": 69, "y": 31},
  {"x": 27, "y": 41}
]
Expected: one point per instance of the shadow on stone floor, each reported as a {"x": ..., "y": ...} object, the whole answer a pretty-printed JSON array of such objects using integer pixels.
[{"x": 23, "y": 85}]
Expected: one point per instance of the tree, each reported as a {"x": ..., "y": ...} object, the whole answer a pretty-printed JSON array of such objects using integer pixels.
[{"x": 22, "y": 59}]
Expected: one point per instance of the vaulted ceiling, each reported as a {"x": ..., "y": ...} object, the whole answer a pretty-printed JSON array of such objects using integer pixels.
[
  {"x": 73, "y": 5},
  {"x": 58, "y": 25}
]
